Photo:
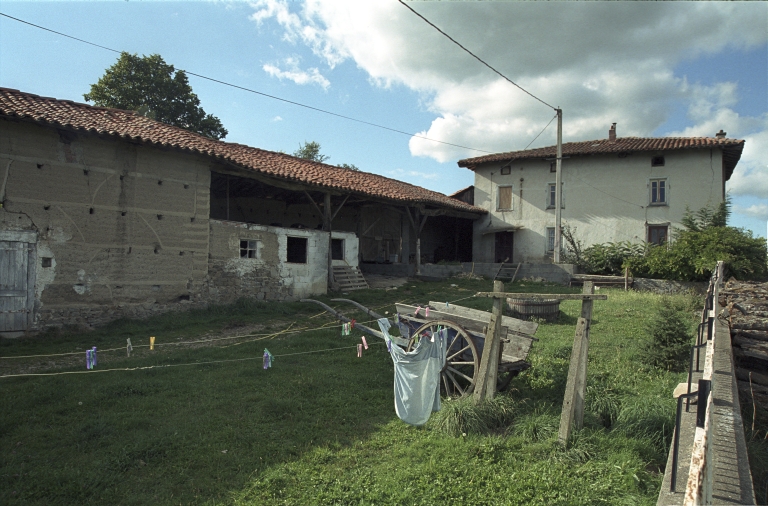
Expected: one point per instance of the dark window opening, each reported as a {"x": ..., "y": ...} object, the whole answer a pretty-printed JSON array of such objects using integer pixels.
[
  {"x": 657, "y": 234},
  {"x": 337, "y": 249},
  {"x": 553, "y": 166},
  {"x": 248, "y": 249},
  {"x": 297, "y": 250},
  {"x": 505, "y": 171},
  {"x": 47, "y": 261},
  {"x": 657, "y": 161}
]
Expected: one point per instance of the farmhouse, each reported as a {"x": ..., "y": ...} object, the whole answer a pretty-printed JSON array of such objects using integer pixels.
[
  {"x": 615, "y": 189},
  {"x": 106, "y": 213}
]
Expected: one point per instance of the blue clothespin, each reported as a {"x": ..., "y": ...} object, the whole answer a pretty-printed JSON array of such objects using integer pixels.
[
  {"x": 93, "y": 357},
  {"x": 88, "y": 364},
  {"x": 268, "y": 358}
]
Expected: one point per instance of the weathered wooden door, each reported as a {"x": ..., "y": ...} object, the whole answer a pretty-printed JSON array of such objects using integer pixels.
[
  {"x": 17, "y": 284},
  {"x": 504, "y": 246}
]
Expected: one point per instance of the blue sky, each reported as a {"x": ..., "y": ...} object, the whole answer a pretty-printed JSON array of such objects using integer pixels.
[{"x": 657, "y": 69}]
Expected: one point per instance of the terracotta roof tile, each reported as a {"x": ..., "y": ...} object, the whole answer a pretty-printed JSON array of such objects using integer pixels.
[
  {"x": 129, "y": 125},
  {"x": 732, "y": 149}
]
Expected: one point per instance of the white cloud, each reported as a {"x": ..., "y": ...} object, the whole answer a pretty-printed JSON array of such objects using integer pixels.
[
  {"x": 295, "y": 74},
  {"x": 756, "y": 210},
  {"x": 605, "y": 62},
  {"x": 277, "y": 118},
  {"x": 401, "y": 174}
]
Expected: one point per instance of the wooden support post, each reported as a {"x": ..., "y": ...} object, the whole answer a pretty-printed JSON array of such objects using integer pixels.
[
  {"x": 573, "y": 403},
  {"x": 327, "y": 217},
  {"x": 626, "y": 278},
  {"x": 485, "y": 387}
]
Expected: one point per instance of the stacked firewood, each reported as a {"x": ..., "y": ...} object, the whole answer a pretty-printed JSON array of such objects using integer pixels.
[{"x": 747, "y": 304}]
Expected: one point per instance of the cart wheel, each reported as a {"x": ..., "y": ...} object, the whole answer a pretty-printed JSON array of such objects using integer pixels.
[{"x": 462, "y": 359}]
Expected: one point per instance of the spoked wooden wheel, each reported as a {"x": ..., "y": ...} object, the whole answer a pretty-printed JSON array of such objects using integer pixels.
[{"x": 462, "y": 359}]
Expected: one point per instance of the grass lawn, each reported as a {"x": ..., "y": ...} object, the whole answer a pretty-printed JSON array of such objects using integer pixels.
[{"x": 320, "y": 428}]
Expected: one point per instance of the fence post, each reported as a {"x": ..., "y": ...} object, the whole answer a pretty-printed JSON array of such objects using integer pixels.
[
  {"x": 575, "y": 390},
  {"x": 486, "y": 381}
]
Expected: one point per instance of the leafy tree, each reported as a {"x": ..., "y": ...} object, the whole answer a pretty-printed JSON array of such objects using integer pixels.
[
  {"x": 155, "y": 89},
  {"x": 310, "y": 151}
]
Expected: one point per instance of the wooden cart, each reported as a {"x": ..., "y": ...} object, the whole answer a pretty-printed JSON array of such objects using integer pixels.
[{"x": 466, "y": 330}]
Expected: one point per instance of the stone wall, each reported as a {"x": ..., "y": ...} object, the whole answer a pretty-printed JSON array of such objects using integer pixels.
[
  {"x": 119, "y": 224},
  {"x": 554, "y": 273},
  {"x": 665, "y": 286}
]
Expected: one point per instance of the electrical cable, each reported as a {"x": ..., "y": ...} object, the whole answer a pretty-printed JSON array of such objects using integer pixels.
[
  {"x": 474, "y": 55},
  {"x": 225, "y": 83},
  {"x": 534, "y": 139}
]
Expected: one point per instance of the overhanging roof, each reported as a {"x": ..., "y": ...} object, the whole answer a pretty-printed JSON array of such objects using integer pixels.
[{"x": 130, "y": 126}]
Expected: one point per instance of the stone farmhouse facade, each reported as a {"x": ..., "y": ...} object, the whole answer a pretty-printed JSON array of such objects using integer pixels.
[
  {"x": 615, "y": 189},
  {"x": 106, "y": 213}
]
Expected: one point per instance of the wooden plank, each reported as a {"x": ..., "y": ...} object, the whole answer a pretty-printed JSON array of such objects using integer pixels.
[
  {"x": 512, "y": 324},
  {"x": 581, "y": 380},
  {"x": 566, "y": 417},
  {"x": 467, "y": 323},
  {"x": 572, "y": 416},
  {"x": 483, "y": 386},
  {"x": 544, "y": 296}
]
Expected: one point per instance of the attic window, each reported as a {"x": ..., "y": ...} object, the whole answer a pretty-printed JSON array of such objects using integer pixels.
[
  {"x": 506, "y": 170},
  {"x": 553, "y": 166},
  {"x": 657, "y": 161}
]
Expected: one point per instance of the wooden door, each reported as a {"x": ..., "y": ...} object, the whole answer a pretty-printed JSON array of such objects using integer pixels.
[
  {"x": 16, "y": 285},
  {"x": 504, "y": 246}
]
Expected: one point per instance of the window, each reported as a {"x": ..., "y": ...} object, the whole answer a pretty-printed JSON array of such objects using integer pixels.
[
  {"x": 506, "y": 170},
  {"x": 658, "y": 192},
  {"x": 550, "y": 239},
  {"x": 337, "y": 249},
  {"x": 553, "y": 166},
  {"x": 249, "y": 248},
  {"x": 552, "y": 196},
  {"x": 47, "y": 261},
  {"x": 657, "y": 234},
  {"x": 297, "y": 250},
  {"x": 657, "y": 161},
  {"x": 505, "y": 198}
]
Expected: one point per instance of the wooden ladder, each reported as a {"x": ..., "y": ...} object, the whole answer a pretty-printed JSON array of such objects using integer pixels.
[{"x": 349, "y": 278}]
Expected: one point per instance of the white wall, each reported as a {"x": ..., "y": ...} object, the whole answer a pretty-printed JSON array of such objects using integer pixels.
[{"x": 606, "y": 198}]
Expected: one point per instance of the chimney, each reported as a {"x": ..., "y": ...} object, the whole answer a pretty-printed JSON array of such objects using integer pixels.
[
  {"x": 720, "y": 134},
  {"x": 612, "y": 132}
]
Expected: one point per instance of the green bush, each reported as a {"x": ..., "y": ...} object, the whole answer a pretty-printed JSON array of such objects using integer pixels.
[
  {"x": 670, "y": 336},
  {"x": 690, "y": 256}
]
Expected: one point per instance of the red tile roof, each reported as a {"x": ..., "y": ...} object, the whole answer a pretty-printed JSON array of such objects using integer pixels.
[
  {"x": 132, "y": 126},
  {"x": 732, "y": 149}
]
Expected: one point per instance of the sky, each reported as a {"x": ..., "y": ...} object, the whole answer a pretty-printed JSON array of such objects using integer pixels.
[{"x": 655, "y": 68}]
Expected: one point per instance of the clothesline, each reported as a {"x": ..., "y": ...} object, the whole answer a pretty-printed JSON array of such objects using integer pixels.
[{"x": 161, "y": 366}]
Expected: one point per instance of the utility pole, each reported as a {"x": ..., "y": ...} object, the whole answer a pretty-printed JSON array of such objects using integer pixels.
[{"x": 558, "y": 185}]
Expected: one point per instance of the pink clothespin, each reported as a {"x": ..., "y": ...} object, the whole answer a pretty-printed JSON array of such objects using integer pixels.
[
  {"x": 359, "y": 350},
  {"x": 365, "y": 343},
  {"x": 418, "y": 308},
  {"x": 426, "y": 311}
]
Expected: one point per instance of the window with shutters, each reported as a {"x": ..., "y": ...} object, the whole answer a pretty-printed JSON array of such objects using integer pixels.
[
  {"x": 504, "y": 202},
  {"x": 552, "y": 196}
]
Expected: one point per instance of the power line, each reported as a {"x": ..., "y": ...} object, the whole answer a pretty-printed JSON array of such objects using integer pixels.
[
  {"x": 542, "y": 131},
  {"x": 475, "y": 56},
  {"x": 225, "y": 83}
]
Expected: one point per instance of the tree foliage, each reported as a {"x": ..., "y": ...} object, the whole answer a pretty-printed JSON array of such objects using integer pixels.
[
  {"x": 311, "y": 151},
  {"x": 690, "y": 256},
  {"x": 153, "y": 88},
  {"x": 670, "y": 337}
]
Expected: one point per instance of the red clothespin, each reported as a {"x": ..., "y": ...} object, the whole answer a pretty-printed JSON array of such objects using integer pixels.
[{"x": 352, "y": 323}]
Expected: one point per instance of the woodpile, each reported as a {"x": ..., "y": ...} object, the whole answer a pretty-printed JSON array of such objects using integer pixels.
[{"x": 747, "y": 305}]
